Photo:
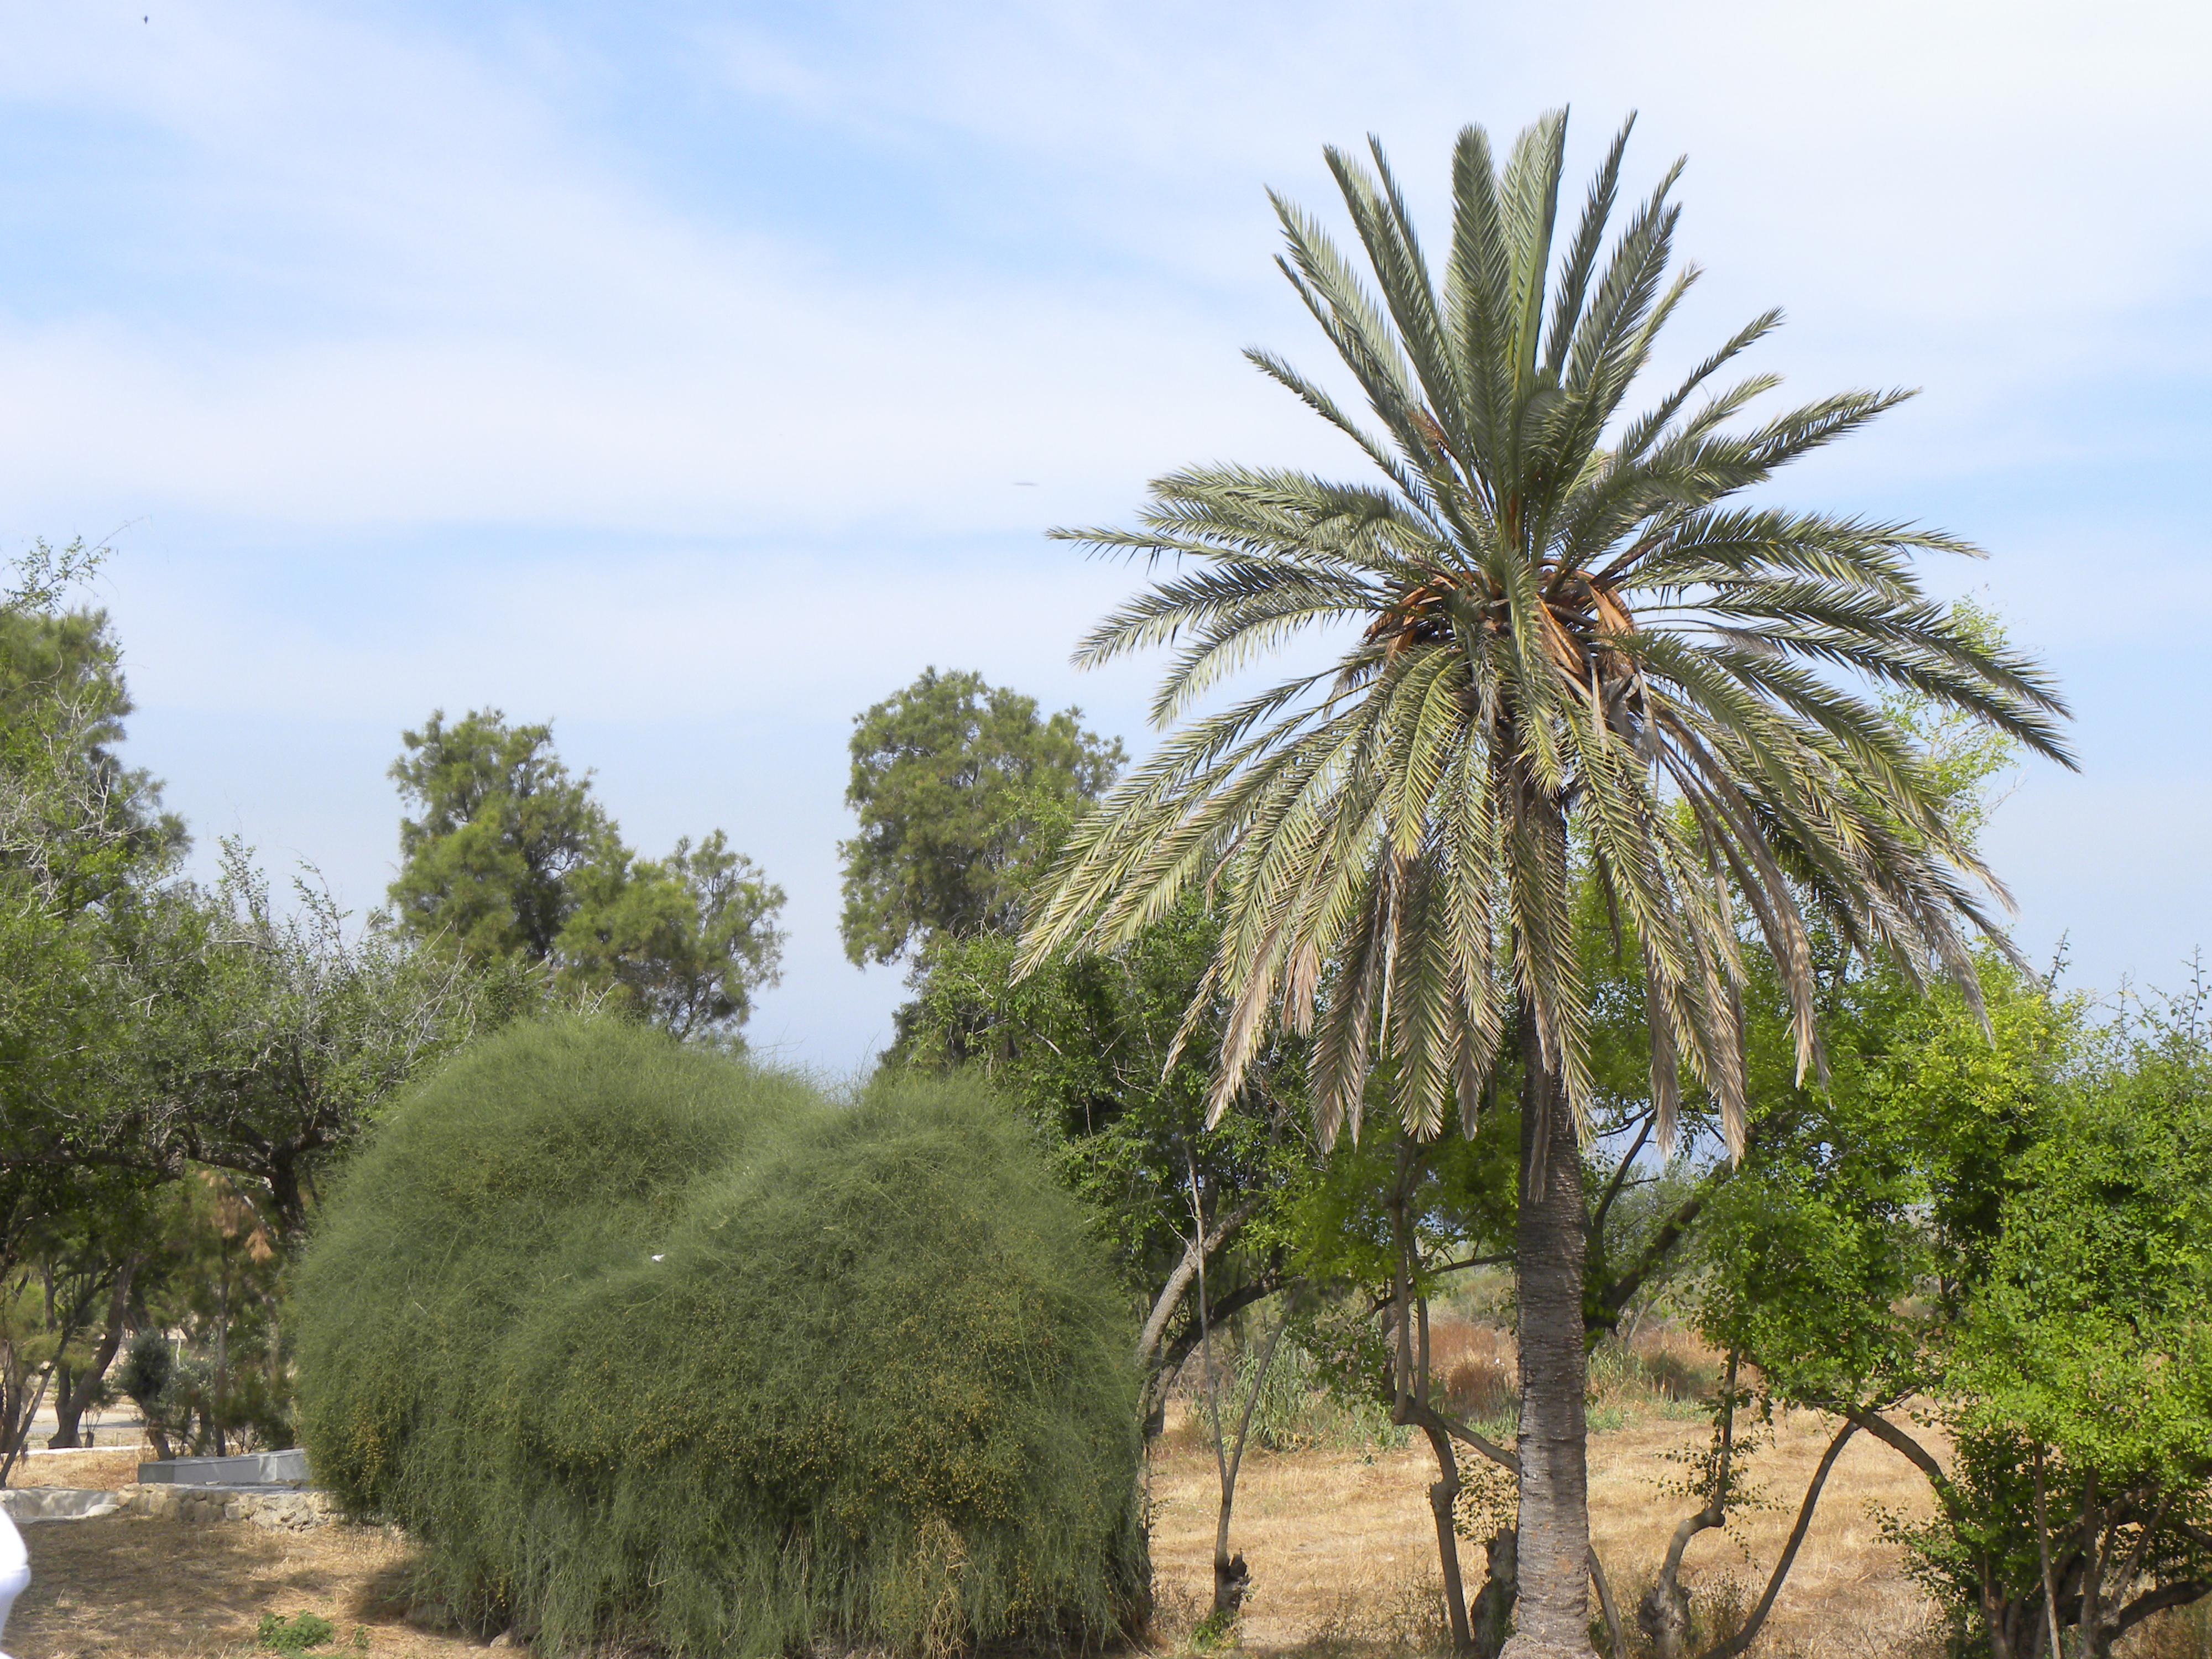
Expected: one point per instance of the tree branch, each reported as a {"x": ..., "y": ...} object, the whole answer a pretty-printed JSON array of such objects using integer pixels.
[
  {"x": 1178, "y": 1282},
  {"x": 1898, "y": 1440},
  {"x": 1620, "y": 1176},
  {"x": 1742, "y": 1639},
  {"x": 2157, "y": 1601}
]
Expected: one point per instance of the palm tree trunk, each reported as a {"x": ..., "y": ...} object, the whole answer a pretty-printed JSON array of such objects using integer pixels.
[{"x": 1552, "y": 1618}]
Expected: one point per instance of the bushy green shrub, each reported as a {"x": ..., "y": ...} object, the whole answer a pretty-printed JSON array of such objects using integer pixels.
[{"x": 651, "y": 1347}]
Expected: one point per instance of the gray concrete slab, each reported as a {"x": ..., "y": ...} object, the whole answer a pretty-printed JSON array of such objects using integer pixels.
[{"x": 273, "y": 1468}]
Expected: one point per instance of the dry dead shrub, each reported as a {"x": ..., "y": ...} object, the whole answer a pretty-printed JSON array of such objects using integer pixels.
[
  {"x": 1404, "y": 1615},
  {"x": 2176, "y": 1633},
  {"x": 1478, "y": 1368},
  {"x": 1675, "y": 1363}
]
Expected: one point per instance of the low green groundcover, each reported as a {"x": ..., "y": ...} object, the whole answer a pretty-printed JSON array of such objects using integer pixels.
[{"x": 651, "y": 1347}]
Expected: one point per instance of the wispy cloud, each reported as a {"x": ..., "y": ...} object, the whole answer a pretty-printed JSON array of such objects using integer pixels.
[{"x": 604, "y": 362}]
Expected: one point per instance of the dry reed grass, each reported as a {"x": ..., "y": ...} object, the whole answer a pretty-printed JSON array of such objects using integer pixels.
[
  {"x": 103, "y": 1470},
  {"x": 1342, "y": 1548}
]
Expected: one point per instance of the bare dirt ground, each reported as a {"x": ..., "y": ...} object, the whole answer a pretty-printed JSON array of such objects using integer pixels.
[
  {"x": 123, "y": 1587},
  {"x": 1340, "y": 1546}
]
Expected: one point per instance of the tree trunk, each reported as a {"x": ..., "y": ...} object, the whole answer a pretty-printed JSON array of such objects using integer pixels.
[
  {"x": 1231, "y": 1579},
  {"x": 1552, "y": 1563},
  {"x": 77, "y": 1389},
  {"x": 1411, "y": 1407},
  {"x": 1492, "y": 1614}
]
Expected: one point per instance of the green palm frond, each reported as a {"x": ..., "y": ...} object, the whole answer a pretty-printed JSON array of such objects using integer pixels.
[{"x": 1575, "y": 648}]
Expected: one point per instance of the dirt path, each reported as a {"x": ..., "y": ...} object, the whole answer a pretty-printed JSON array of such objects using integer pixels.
[{"x": 123, "y": 1587}]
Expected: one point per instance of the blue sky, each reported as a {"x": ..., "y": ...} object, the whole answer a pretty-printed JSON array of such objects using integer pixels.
[{"x": 668, "y": 371}]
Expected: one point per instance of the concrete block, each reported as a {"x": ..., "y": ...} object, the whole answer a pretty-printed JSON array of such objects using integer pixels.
[{"x": 273, "y": 1468}]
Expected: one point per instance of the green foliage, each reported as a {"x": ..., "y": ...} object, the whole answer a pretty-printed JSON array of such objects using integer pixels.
[
  {"x": 645, "y": 1344},
  {"x": 514, "y": 859},
  {"x": 1081, "y": 1048},
  {"x": 272, "y": 1035},
  {"x": 686, "y": 941},
  {"x": 296, "y": 1634},
  {"x": 1303, "y": 1404},
  {"x": 1862, "y": 1213},
  {"x": 504, "y": 826},
  {"x": 83, "y": 845},
  {"x": 1545, "y": 605},
  {"x": 2013, "y": 1228},
  {"x": 2092, "y": 1330},
  {"x": 1217, "y": 1631},
  {"x": 953, "y": 781}
]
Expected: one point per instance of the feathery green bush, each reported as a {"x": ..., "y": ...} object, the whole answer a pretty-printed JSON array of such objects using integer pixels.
[{"x": 652, "y": 1346}]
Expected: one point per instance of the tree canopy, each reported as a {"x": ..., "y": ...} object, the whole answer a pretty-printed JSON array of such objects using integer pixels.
[
  {"x": 513, "y": 857},
  {"x": 953, "y": 780}
]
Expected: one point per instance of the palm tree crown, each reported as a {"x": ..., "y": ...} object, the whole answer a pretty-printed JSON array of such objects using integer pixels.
[{"x": 1574, "y": 648}]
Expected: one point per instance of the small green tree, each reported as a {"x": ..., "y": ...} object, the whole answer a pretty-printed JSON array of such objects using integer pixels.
[
  {"x": 2012, "y": 1227},
  {"x": 954, "y": 781},
  {"x": 513, "y": 859},
  {"x": 83, "y": 846}
]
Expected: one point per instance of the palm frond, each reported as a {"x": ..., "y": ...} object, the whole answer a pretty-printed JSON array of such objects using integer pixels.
[{"x": 1568, "y": 635}]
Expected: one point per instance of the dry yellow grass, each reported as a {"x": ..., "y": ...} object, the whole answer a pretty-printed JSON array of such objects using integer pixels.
[
  {"x": 123, "y": 1587},
  {"x": 104, "y": 1470},
  {"x": 1342, "y": 1549},
  {"x": 1341, "y": 1545}
]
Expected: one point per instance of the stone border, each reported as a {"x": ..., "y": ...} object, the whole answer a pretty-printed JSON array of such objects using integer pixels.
[{"x": 279, "y": 1509}]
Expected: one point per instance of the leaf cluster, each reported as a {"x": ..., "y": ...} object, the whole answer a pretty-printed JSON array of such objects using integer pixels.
[{"x": 512, "y": 858}]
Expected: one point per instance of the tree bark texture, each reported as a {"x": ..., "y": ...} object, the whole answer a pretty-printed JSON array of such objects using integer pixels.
[
  {"x": 73, "y": 1395},
  {"x": 1553, "y": 1555}
]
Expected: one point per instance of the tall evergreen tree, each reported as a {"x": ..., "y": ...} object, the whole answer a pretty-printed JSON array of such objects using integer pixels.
[
  {"x": 1570, "y": 647},
  {"x": 954, "y": 780},
  {"x": 513, "y": 859}
]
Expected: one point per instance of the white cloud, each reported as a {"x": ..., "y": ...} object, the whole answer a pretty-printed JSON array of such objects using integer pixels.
[
  {"x": 432, "y": 368},
  {"x": 472, "y": 313}
]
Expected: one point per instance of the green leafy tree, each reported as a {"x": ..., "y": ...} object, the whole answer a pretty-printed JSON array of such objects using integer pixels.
[
  {"x": 953, "y": 781},
  {"x": 2005, "y": 1234},
  {"x": 688, "y": 940},
  {"x": 512, "y": 858},
  {"x": 267, "y": 1037},
  {"x": 504, "y": 831},
  {"x": 1566, "y": 634},
  {"x": 83, "y": 845}
]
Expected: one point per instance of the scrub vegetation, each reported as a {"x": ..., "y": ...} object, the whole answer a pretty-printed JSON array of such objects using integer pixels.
[{"x": 649, "y": 1344}]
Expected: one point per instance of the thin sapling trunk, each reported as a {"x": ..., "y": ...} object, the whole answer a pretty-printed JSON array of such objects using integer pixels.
[
  {"x": 2043, "y": 1553},
  {"x": 1663, "y": 1615},
  {"x": 1410, "y": 1382},
  {"x": 1230, "y": 1578}
]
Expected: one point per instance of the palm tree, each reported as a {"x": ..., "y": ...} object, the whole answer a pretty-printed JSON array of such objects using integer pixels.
[{"x": 1563, "y": 651}]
